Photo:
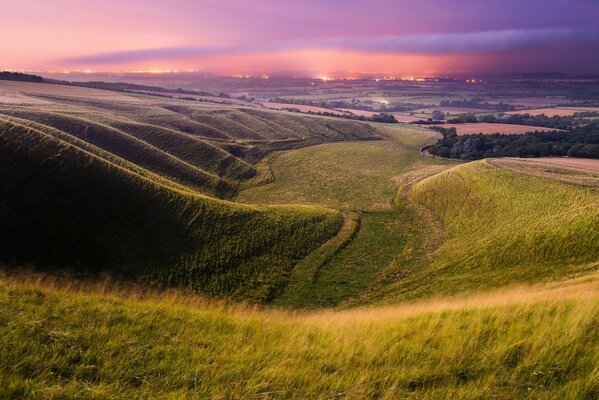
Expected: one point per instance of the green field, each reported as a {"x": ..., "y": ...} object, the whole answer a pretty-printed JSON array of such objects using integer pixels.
[
  {"x": 97, "y": 181},
  {"x": 351, "y": 175},
  {"x": 502, "y": 227},
  {"x": 208, "y": 148},
  {"x": 58, "y": 197}
]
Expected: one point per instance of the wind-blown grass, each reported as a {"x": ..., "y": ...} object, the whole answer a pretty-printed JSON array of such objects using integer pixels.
[
  {"x": 503, "y": 227},
  {"x": 526, "y": 343}
]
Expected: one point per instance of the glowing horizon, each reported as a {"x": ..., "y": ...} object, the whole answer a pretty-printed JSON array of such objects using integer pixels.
[{"x": 314, "y": 37}]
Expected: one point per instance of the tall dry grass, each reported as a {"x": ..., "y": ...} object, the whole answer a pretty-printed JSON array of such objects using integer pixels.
[{"x": 59, "y": 338}]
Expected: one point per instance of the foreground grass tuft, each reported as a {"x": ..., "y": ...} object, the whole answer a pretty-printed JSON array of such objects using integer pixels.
[{"x": 537, "y": 343}]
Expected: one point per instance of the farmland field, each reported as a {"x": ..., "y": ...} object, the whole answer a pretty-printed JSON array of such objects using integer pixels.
[
  {"x": 556, "y": 111},
  {"x": 399, "y": 117},
  {"x": 213, "y": 99},
  {"x": 585, "y": 164},
  {"x": 302, "y": 108},
  {"x": 531, "y": 101},
  {"x": 491, "y": 128}
]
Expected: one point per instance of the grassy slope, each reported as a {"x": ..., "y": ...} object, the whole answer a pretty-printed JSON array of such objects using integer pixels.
[
  {"x": 532, "y": 343},
  {"x": 63, "y": 204},
  {"x": 350, "y": 176},
  {"x": 130, "y": 148},
  {"x": 59, "y": 204},
  {"x": 502, "y": 227},
  {"x": 212, "y": 153}
]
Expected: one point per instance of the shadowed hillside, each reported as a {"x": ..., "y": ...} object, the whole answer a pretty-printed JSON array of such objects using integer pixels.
[{"x": 73, "y": 197}]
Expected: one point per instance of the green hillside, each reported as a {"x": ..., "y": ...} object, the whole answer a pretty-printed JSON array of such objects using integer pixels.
[
  {"x": 63, "y": 205},
  {"x": 474, "y": 227},
  {"x": 502, "y": 227},
  {"x": 360, "y": 178},
  {"x": 207, "y": 148},
  {"x": 118, "y": 234},
  {"x": 95, "y": 180}
]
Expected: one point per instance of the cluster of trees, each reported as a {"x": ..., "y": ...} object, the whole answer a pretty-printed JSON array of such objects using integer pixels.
[
  {"x": 383, "y": 117},
  {"x": 582, "y": 141},
  {"x": 17, "y": 76},
  {"x": 246, "y": 98},
  {"x": 555, "y": 122}
]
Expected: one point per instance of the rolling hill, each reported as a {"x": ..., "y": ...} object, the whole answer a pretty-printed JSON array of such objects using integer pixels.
[
  {"x": 63, "y": 205},
  {"x": 95, "y": 182},
  {"x": 208, "y": 148},
  {"x": 473, "y": 227},
  {"x": 135, "y": 229},
  {"x": 501, "y": 227}
]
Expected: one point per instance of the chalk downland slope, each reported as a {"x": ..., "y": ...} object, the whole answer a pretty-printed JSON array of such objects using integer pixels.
[
  {"x": 502, "y": 227},
  {"x": 208, "y": 148},
  {"x": 67, "y": 203}
]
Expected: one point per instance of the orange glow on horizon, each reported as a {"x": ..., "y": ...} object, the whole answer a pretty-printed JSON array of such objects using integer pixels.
[{"x": 317, "y": 63}]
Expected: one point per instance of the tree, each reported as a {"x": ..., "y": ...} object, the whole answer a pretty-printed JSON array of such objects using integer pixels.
[
  {"x": 383, "y": 117},
  {"x": 438, "y": 115}
]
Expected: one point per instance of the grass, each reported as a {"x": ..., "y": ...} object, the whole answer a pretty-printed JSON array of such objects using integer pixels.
[
  {"x": 65, "y": 340},
  {"x": 348, "y": 175},
  {"x": 64, "y": 205},
  {"x": 382, "y": 236},
  {"x": 501, "y": 228},
  {"x": 208, "y": 148},
  {"x": 106, "y": 186},
  {"x": 577, "y": 171},
  {"x": 358, "y": 176},
  {"x": 93, "y": 180},
  {"x": 302, "y": 291},
  {"x": 143, "y": 153},
  {"x": 474, "y": 228}
]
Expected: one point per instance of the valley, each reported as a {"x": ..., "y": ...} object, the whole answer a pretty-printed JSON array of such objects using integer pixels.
[{"x": 163, "y": 248}]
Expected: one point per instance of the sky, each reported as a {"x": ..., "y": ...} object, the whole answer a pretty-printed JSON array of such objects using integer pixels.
[{"x": 301, "y": 36}]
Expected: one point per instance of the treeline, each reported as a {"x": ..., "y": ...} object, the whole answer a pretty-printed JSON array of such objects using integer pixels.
[
  {"x": 556, "y": 122},
  {"x": 17, "y": 76},
  {"x": 381, "y": 117},
  {"x": 582, "y": 141}
]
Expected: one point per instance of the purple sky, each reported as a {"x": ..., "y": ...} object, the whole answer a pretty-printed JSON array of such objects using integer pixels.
[{"x": 234, "y": 36}]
